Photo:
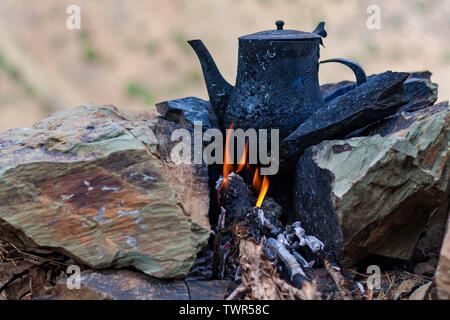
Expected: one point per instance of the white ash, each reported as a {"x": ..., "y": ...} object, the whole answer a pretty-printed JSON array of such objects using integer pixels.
[
  {"x": 288, "y": 259},
  {"x": 220, "y": 180},
  {"x": 107, "y": 188},
  {"x": 313, "y": 243}
]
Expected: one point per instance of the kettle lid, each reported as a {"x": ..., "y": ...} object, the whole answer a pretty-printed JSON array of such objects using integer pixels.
[{"x": 281, "y": 34}]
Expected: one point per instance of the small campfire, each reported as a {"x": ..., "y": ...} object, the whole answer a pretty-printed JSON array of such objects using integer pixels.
[{"x": 257, "y": 235}]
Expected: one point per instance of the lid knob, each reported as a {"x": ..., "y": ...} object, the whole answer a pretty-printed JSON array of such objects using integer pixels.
[{"x": 280, "y": 24}]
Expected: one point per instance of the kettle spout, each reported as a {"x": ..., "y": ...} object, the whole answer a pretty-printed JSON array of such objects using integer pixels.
[{"x": 219, "y": 90}]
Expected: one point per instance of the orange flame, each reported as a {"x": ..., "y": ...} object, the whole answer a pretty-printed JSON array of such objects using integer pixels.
[
  {"x": 227, "y": 163},
  {"x": 262, "y": 193},
  {"x": 256, "y": 183},
  {"x": 243, "y": 161},
  {"x": 228, "y": 167}
]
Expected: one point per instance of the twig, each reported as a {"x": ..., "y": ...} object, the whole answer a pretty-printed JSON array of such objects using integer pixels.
[
  {"x": 384, "y": 294},
  {"x": 338, "y": 279},
  {"x": 39, "y": 258},
  {"x": 366, "y": 275}
]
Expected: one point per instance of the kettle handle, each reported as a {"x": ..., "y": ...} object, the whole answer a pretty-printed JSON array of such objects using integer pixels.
[{"x": 359, "y": 72}]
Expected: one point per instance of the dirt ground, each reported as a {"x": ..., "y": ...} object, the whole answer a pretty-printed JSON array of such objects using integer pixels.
[{"x": 134, "y": 53}]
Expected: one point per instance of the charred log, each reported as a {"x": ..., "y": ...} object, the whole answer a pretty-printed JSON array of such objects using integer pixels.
[
  {"x": 234, "y": 197},
  {"x": 260, "y": 237}
]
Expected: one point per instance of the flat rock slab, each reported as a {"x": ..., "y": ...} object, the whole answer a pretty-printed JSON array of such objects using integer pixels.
[
  {"x": 374, "y": 194},
  {"x": 382, "y": 95},
  {"x": 419, "y": 89},
  {"x": 99, "y": 186},
  {"x": 129, "y": 285},
  {"x": 210, "y": 290}
]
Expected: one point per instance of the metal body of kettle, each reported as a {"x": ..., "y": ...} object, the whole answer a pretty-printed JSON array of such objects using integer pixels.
[{"x": 277, "y": 84}]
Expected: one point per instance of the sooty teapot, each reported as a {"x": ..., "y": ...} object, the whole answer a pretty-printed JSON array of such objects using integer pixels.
[{"x": 277, "y": 84}]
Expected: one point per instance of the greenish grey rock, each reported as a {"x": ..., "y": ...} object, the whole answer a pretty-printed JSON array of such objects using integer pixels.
[
  {"x": 98, "y": 185},
  {"x": 374, "y": 194}
]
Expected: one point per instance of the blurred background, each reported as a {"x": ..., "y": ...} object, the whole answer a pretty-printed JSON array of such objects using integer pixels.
[{"x": 133, "y": 54}]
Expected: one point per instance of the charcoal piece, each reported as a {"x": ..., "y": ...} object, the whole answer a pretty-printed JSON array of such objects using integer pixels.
[{"x": 234, "y": 197}]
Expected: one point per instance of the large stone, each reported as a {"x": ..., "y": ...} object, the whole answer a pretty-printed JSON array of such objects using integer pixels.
[
  {"x": 100, "y": 186},
  {"x": 374, "y": 194}
]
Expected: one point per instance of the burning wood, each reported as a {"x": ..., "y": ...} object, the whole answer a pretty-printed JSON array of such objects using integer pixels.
[
  {"x": 260, "y": 279},
  {"x": 262, "y": 240},
  {"x": 258, "y": 237}
]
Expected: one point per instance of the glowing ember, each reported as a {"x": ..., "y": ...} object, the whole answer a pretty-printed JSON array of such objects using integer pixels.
[{"x": 262, "y": 193}]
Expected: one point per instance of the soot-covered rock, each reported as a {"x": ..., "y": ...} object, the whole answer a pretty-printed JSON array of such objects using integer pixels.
[
  {"x": 374, "y": 194},
  {"x": 379, "y": 97},
  {"x": 188, "y": 110},
  {"x": 421, "y": 92}
]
